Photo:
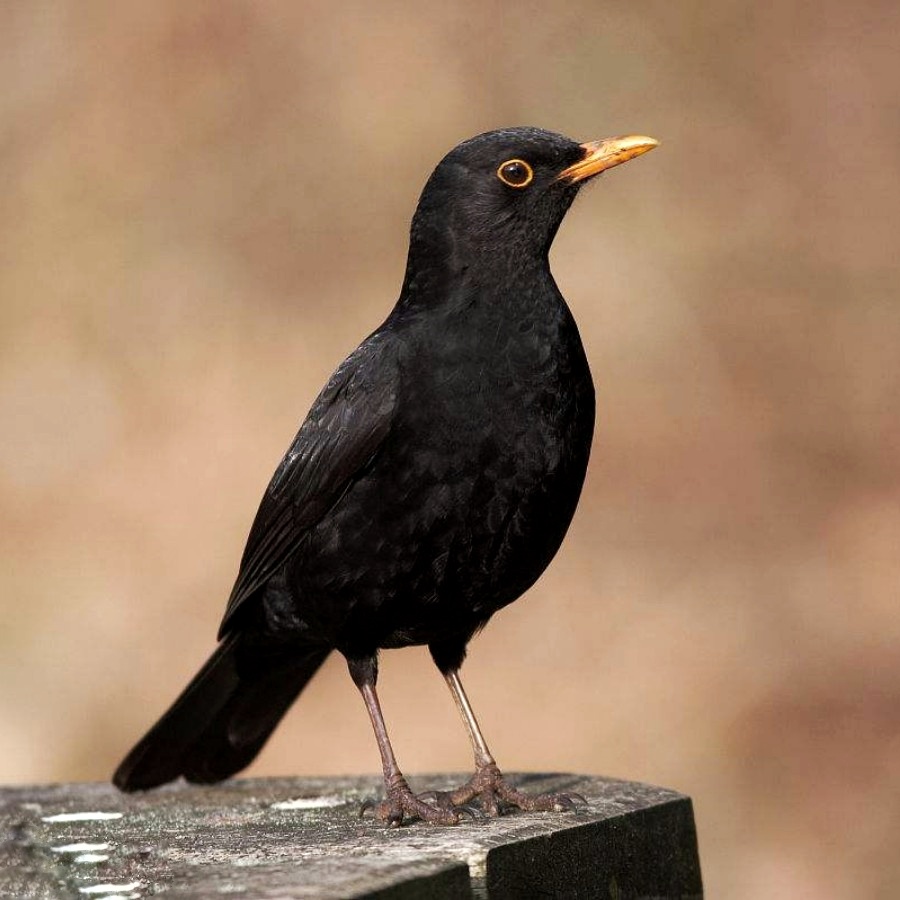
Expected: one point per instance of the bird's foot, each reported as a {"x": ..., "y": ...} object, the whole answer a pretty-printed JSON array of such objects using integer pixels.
[
  {"x": 402, "y": 804},
  {"x": 496, "y": 796}
]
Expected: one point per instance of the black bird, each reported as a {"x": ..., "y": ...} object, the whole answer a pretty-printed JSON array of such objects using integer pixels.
[{"x": 430, "y": 485}]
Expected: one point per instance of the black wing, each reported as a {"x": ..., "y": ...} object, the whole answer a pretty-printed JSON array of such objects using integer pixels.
[{"x": 343, "y": 431}]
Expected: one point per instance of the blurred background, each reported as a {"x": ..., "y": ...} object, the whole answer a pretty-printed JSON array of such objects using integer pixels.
[{"x": 205, "y": 208}]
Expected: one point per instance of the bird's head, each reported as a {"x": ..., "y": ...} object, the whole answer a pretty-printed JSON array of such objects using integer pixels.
[{"x": 502, "y": 195}]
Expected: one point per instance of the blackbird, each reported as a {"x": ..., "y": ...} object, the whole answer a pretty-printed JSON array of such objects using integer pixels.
[{"x": 430, "y": 485}]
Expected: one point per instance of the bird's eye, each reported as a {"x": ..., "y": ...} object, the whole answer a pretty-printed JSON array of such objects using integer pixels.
[{"x": 516, "y": 173}]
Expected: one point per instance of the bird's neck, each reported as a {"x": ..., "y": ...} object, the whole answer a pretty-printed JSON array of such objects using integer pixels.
[
  {"x": 440, "y": 271},
  {"x": 452, "y": 255}
]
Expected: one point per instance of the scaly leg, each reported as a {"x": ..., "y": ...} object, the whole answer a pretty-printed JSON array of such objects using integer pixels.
[
  {"x": 488, "y": 783},
  {"x": 401, "y": 802}
]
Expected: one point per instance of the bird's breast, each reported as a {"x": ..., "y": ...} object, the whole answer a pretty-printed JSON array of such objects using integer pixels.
[
  {"x": 510, "y": 389},
  {"x": 469, "y": 496}
]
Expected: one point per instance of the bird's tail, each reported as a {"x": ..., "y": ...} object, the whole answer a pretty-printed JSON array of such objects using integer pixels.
[{"x": 221, "y": 720}]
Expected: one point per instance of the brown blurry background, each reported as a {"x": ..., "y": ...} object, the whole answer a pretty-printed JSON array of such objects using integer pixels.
[{"x": 204, "y": 208}]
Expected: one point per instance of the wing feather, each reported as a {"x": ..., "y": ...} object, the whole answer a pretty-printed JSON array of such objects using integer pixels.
[{"x": 342, "y": 433}]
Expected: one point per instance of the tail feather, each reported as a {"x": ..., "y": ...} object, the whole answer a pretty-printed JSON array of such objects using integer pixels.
[{"x": 221, "y": 720}]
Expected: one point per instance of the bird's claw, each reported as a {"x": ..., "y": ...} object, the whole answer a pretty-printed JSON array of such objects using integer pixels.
[
  {"x": 496, "y": 797},
  {"x": 402, "y": 804},
  {"x": 468, "y": 810},
  {"x": 569, "y": 801},
  {"x": 562, "y": 802},
  {"x": 443, "y": 800}
]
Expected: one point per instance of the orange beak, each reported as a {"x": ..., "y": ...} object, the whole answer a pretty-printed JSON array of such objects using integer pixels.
[{"x": 602, "y": 155}]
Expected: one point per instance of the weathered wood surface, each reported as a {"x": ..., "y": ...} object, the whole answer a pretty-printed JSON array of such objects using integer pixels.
[{"x": 280, "y": 839}]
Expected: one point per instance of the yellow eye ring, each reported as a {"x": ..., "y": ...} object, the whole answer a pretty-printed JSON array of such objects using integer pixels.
[{"x": 516, "y": 173}]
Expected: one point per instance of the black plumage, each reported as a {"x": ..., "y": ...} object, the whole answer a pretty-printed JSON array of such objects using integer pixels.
[{"x": 430, "y": 485}]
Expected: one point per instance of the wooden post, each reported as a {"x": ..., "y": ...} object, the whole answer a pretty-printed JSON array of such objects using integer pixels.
[{"x": 286, "y": 838}]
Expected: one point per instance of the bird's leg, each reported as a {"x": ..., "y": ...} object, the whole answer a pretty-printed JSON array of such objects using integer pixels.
[
  {"x": 488, "y": 783},
  {"x": 401, "y": 802}
]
